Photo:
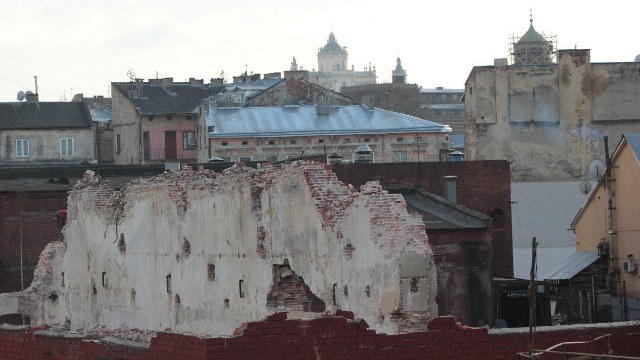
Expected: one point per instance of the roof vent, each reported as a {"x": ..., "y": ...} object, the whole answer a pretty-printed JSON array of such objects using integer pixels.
[{"x": 364, "y": 154}]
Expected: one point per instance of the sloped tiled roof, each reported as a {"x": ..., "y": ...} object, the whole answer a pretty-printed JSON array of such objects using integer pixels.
[
  {"x": 183, "y": 99},
  {"x": 44, "y": 115},
  {"x": 303, "y": 120}
]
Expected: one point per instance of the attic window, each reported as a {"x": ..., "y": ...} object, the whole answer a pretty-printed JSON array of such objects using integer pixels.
[
  {"x": 245, "y": 142},
  {"x": 320, "y": 141}
]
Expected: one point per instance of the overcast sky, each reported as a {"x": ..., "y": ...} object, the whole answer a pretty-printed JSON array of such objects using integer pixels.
[{"x": 80, "y": 46}]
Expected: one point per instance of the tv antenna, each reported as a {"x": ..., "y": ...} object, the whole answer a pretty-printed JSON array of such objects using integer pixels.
[{"x": 131, "y": 75}]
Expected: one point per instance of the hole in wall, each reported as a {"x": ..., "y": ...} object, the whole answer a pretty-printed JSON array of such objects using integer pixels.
[
  {"x": 62, "y": 279},
  {"x": 333, "y": 294},
  {"x": 177, "y": 299},
  {"x": 241, "y": 288},
  {"x": 104, "y": 279},
  {"x": 168, "y": 281},
  {"x": 413, "y": 285},
  {"x": 122, "y": 246},
  {"x": 348, "y": 251},
  {"x": 367, "y": 290},
  {"x": 133, "y": 295},
  {"x": 289, "y": 292},
  {"x": 345, "y": 291},
  {"x": 211, "y": 271},
  {"x": 226, "y": 303},
  {"x": 53, "y": 297},
  {"x": 186, "y": 247}
]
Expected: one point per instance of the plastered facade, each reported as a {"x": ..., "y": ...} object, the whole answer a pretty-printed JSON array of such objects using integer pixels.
[
  {"x": 548, "y": 120},
  {"x": 45, "y": 148},
  {"x": 592, "y": 224},
  {"x": 202, "y": 252}
]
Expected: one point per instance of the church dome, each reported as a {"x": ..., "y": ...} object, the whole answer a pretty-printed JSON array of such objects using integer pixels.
[
  {"x": 332, "y": 45},
  {"x": 532, "y": 37}
]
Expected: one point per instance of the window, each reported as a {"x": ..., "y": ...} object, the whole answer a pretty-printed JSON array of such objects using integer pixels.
[
  {"x": 320, "y": 141},
  {"x": 400, "y": 156},
  {"x": 225, "y": 143},
  {"x": 366, "y": 139},
  {"x": 272, "y": 158},
  {"x": 22, "y": 147},
  {"x": 347, "y": 140},
  {"x": 245, "y": 142},
  {"x": 117, "y": 143},
  {"x": 150, "y": 118},
  {"x": 189, "y": 140},
  {"x": 292, "y": 142},
  {"x": 271, "y": 142},
  {"x": 169, "y": 117},
  {"x": 245, "y": 158},
  {"x": 400, "y": 139}
]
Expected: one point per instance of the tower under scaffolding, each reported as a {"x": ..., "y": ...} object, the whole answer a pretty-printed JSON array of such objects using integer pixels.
[{"x": 533, "y": 48}]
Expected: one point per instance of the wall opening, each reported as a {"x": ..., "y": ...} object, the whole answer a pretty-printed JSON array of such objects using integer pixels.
[
  {"x": 226, "y": 303},
  {"x": 62, "y": 279},
  {"x": 241, "y": 288},
  {"x": 367, "y": 290},
  {"x": 211, "y": 271},
  {"x": 289, "y": 292},
  {"x": 186, "y": 247},
  {"x": 345, "y": 291},
  {"x": 413, "y": 285},
  {"x": 122, "y": 246},
  {"x": 104, "y": 279},
  {"x": 168, "y": 284},
  {"x": 333, "y": 294}
]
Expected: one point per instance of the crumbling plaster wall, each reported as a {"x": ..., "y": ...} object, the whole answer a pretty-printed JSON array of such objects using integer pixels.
[
  {"x": 194, "y": 251},
  {"x": 548, "y": 120}
]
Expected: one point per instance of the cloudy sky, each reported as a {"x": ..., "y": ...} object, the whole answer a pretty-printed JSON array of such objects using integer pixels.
[{"x": 80, "y": 46}]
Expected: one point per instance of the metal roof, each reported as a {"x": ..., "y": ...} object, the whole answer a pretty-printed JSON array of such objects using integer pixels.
[
  {"x": 572, "y": 265},
  {"x": 183, "y": 98},
  {"x": 439, "y": 213},
  {"x": 634, "y": 144},
  {"x": 44, "y": 115},
  {"x": 303, "y": 120},
  {"x": 100, "y": 115}
]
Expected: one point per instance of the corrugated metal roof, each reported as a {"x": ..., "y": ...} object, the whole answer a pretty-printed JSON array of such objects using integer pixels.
[
  {"x": 572, "y": 265},
  {"x": 100, "y": 115},
  {"x": 634, "y": 144},
  {"x": 303, "y": 120},
  {"x": 44, "y": 115}
]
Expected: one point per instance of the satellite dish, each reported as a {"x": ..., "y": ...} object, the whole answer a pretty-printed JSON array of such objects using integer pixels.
[
  {"x": 638, "y": 58},
  {"x": 21, "y": 95},
  {"x": 585, "y": 187},
  {"x": 29, "y": 92},
  {"x": 596, "y": 169}
]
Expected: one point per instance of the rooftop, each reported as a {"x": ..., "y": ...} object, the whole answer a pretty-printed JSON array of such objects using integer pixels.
[{"x": 44, "y": 115}]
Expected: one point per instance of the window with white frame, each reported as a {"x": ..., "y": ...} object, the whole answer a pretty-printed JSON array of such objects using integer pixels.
[
  {"x": 22, "y": 147},
  {"x": 66, "y": 147},
  {"x": 189, "y": 140}
]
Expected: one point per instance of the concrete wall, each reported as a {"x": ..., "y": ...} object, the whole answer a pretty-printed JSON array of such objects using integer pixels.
[
  {"x": 415, "y": 147},
  {"x": 548, "y": 120},
  {"x": 44, "y": 146},
  {"x": 327, "y": 338},
  {"x": 196, "y": 251}
]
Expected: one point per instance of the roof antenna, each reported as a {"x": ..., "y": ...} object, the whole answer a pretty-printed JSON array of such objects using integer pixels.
[
  {"x": 36, "y": 78},
  {"x": 530, "y": 16}
]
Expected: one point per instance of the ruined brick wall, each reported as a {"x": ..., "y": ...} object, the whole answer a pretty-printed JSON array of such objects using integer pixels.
[
  {"x": 27, "y": 218},
  {"x": 198, "y": 251},
  {"x": 483, "y": 186},
  {"x": 326, "y": 338}
]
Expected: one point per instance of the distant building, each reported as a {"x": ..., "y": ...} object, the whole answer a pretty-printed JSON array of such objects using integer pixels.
[
  {"x": 156, "y": 121},
  {"x": 100, "y": 110},
  {"x": 444, "y": 106},
  {"x": 45, "y": 133},
  {"x": 280, "y": 133},
  {"x": 333, "y": 70}
]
